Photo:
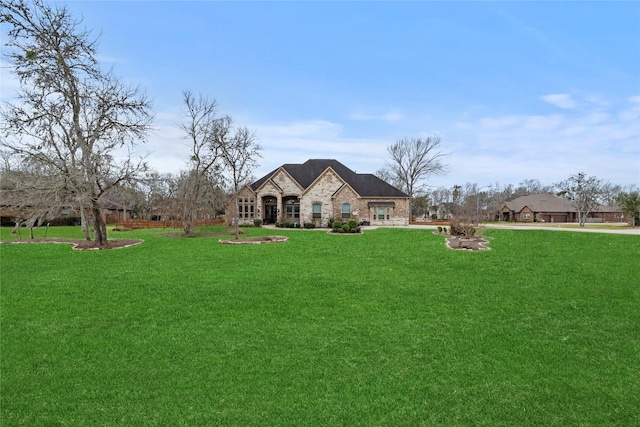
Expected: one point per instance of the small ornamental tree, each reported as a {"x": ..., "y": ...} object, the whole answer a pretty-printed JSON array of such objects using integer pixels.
[
  {"x": 584, "y": 192},
  {"x": 630, "y": 205}
]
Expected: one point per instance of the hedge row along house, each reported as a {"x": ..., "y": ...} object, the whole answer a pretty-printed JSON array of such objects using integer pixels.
[
  {"x": 549, "y": 208},
  {"x": 318, "y": 191}
]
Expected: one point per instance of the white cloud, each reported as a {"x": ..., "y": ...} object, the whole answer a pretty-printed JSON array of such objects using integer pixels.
[
  {"x": 309, "y": 129},
  {"x": 498, "y": 122},
  {"x": 110, "y": 60},
  {"x": 602, "y": 141},
  {"x": 390, "y": 116},
  {"x": 561, "y": 100},
  {"x": 543, "y": 123},
  {"x": 297, "y": 142},
  {"x": 9, "y": 84}
]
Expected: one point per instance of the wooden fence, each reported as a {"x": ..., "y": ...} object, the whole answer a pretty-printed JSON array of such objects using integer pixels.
[
  {"x": 136, "y": 224},
  {"x": 417, "y": 221}
]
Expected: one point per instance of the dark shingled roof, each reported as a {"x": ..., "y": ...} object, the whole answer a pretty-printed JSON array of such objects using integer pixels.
[{"x": 366, "y": 185}]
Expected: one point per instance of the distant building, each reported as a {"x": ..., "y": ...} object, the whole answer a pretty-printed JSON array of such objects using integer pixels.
[
  {"x": 549, "y": 208},
  {"x": 65, "y": 214}
]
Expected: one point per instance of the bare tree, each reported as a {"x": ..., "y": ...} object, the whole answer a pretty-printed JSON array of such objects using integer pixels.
[
  {"x": 70, "y": 116},
  {"x": 532, "y": 186},
  {"x": 26, "y": 194},
  {"x": 206, "y": 134},
  {"x": 158, "y": 189},
  {"x": 413, "y": 160},
  {"x": 240, "y": 158},
  {"x": 464, "y": 212},
  {"x": 584, "y": 192},
  {"x": 388, "y": 177}
]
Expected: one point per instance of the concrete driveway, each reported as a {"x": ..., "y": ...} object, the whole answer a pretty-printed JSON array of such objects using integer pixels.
[{"x": 557, "y": 227}]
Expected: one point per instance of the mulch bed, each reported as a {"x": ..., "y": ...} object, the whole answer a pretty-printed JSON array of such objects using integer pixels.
[
  {"x": 476, "y": 243},
  {"x": 254, "y": 240},
  {"x": 84, "y": 245}
]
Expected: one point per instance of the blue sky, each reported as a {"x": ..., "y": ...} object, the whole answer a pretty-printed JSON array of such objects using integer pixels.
[{"x": 515, "y": 90}]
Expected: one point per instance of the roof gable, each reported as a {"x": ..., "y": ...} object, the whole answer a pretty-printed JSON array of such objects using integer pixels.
[{"x": 326, "y": 175}]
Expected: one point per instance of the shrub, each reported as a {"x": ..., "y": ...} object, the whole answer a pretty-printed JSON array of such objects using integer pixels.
[
  {"x": 346, "y": 228},
  {"x": 336, "y": 224},
  {"x": 463, "y": 228},
  {"x": 330, "y": 224},
  {"x": 309, "y": 225},
  {"x": 444, "y": 230},
  {"x": 257, "y": 222},
  {"x": 439, "y": 229},
  {"x": 352, "y": 223},
  {"x": 287, "y": 224}
]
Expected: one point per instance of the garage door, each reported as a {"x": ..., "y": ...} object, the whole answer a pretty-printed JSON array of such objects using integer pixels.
[{"x": 559, "y": 218}]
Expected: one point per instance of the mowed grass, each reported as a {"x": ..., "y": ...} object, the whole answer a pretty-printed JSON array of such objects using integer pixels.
[{"x": 387, "y": 328}]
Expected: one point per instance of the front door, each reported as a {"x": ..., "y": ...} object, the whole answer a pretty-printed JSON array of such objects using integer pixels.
[
  {"x": 270, "y": 214},
  {"x": 270, "y": 210}
]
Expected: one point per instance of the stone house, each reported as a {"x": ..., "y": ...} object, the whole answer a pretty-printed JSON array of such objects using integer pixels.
[
  {"x": 318, "y": 191},
  {"x": 549, "y": 208}
]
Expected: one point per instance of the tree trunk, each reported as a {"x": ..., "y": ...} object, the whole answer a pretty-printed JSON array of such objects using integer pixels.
[
  {"x": 188, "y": 226},
  {"x": 83, "y": 224},
  {"x": 99, "y": 227},
  {"x": 188, "y": 221},
  {"x": 237, "y": 227}
]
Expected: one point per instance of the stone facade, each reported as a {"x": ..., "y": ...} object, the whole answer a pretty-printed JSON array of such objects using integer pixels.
[{"x": 280, "y": 197}]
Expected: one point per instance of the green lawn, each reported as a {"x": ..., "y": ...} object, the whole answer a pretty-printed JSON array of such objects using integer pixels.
[{"x": 387, "y": 328}]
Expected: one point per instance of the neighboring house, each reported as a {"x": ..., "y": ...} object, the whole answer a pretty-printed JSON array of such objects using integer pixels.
[
  {"x": 317, "y": 191},
  {"x": 444, "y": 210},
  {"x": 549, "y": 208},
  {"x": 114, "y": 212},
  {"x": 10, "y": 209}
]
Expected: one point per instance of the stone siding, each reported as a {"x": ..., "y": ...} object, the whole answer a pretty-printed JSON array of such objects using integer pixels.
[
  {"x": 287, "y": 184},
  {"x": 320, "y": 191}
]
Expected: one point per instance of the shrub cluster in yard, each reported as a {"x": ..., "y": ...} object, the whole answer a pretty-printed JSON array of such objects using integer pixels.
[
  {"x": 350, "y": 226},
  {"x": 463, "y": 228}
]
